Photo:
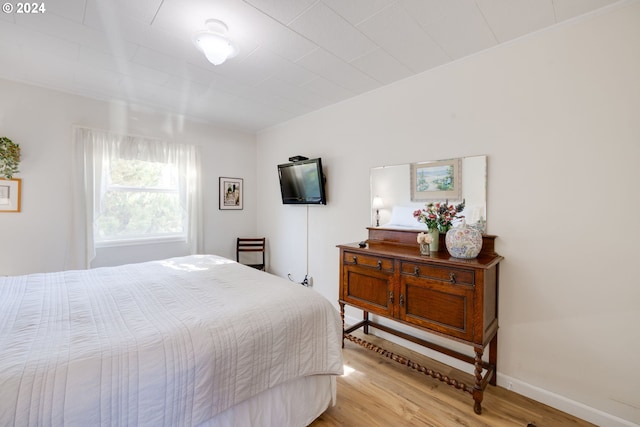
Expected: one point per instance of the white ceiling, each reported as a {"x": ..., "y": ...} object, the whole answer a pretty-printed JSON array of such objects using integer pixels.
[{"x": 295, "y": 56}]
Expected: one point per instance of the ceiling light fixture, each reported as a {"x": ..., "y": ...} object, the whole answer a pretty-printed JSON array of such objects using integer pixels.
[{"x": 214, "y": 42}]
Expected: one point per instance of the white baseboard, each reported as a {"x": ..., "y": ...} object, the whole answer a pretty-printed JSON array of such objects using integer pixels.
[
  {"x": 547, "y": 397},
  {"x": 562, "y": 403}
]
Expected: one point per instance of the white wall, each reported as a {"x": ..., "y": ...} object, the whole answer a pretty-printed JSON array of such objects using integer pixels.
[
  {"x": 557, "y": 115},
  {"x": 40, "y": 120}
]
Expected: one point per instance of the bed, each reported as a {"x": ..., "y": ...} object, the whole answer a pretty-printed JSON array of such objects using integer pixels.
[{"x": 190, "y": 341}]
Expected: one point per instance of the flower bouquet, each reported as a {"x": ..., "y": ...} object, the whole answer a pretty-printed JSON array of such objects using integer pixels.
[{"x": 439, "y": 216}]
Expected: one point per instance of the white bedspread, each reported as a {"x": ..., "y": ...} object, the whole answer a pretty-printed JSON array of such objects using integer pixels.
[{"x": 166, "y": 343}]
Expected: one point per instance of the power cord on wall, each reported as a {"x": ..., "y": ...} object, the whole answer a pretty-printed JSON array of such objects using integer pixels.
[
  {"x": 306, "y": 271},
  {"x": 307, "y": 280}
]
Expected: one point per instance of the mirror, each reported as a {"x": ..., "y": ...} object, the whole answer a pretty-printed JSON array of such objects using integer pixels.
[{"x": 398, "y": 190}]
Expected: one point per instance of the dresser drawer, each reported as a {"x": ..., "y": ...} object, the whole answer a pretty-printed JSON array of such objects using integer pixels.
[
  {"x": 368, "y": 261},
  {"x": 444, "y": 274}
]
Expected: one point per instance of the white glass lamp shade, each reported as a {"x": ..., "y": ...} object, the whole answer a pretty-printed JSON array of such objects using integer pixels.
[
  {"x": 214, "y": 43},
  {"x": 377, "y": 203}
]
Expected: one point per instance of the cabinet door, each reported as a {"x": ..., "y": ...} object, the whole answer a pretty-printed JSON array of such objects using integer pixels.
[
  {"x": 367, "y": 283},
  {"x": 429, "y": 301}
]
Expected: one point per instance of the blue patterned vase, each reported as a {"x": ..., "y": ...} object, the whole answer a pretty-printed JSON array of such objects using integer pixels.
[{"x": 463, "y": 241}]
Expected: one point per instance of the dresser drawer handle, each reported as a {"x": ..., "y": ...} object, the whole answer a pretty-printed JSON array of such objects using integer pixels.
[
  {"x": 401, "y": 300},
  {"x": 355, "y": 259},
  {"x": 416, "y": 271},
  {"x": 452, "y": 277},
  {"x": 390, "y": 297},
  {"x": 379, "y": 265}
]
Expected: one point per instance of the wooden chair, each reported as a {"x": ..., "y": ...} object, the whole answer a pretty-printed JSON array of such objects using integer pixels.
[{"x": 252, "y": 244}]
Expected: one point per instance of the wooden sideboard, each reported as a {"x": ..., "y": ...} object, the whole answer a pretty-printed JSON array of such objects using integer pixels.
[{"x": 451, "y": 297}]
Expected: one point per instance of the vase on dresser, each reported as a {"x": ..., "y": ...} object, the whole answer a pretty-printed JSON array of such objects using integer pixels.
[
  {"x": 463, "y": 241},
  {"x": 435, "y": 235}
]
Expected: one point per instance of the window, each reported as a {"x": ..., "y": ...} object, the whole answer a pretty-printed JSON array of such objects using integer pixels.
[
  {"x": 134, "y": 190},
  {"x": 141, "y": 202}
]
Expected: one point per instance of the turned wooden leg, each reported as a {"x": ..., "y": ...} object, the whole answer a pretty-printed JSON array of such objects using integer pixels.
[
  {"x": 342, "y": 317},
  {"x": 493, "y": 358},
  {"x": 477, "y": 388}
]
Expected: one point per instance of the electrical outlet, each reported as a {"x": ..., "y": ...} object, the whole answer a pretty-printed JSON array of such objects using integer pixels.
[{"x": 307, "y": 281}]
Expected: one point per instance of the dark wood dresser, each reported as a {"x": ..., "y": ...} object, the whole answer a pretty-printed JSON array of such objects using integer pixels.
[{"x": 451, "y": 297}]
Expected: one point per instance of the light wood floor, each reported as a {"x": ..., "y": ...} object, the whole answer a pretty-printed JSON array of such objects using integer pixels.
[{"x": 381, "y": 392}]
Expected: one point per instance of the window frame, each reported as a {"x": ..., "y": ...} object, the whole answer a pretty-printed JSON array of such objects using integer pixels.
[{"x": 142, "y": 239}]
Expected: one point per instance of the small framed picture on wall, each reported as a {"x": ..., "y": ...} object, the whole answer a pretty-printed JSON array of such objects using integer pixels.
[
  {"x": 231, "y": 193},
  {"x": 10, "y": 194}
]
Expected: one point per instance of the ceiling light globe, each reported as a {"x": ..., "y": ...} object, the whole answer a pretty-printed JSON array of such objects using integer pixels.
[
  {"x": 214, "y": 43},
  {"x": 216, "y": 48}
]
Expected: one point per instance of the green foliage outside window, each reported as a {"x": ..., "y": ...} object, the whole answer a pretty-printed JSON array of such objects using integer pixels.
[{"x": 141, "y": 200}]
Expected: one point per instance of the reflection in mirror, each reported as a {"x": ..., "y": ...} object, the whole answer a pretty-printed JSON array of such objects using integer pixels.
[{"x": 401, "y": 189}]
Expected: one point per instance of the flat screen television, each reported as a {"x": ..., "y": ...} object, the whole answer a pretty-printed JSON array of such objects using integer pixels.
[{"x": 302, "y": 183}]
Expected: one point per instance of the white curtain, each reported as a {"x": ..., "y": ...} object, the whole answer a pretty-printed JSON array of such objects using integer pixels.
[{"x": 93, "y": 150}]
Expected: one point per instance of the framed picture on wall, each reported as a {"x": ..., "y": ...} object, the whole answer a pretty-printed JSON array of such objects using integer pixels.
[
  {"x": 230, "y": 193},
  {"x": 10, "y": 194},
  {"x": 436, "y": 180}
]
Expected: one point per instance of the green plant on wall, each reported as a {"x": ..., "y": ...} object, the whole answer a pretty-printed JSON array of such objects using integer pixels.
[{"x": 9, "y": 157}]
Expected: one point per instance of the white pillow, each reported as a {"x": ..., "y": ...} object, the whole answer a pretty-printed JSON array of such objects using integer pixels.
[{"x": 403, "y": 215}]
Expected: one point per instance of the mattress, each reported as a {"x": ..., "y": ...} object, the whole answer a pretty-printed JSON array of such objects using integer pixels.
[{"x": 165, "y": 343}]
